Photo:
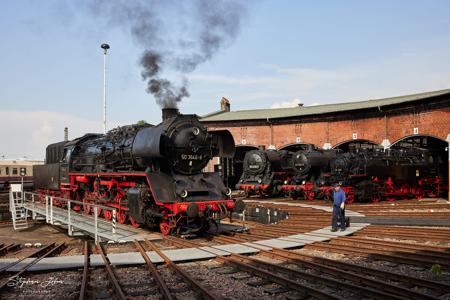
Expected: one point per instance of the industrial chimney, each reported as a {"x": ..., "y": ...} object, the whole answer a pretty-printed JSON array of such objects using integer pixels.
[
  {"x": 225, "y": 104},
  {"x": 66, "y": 134}
]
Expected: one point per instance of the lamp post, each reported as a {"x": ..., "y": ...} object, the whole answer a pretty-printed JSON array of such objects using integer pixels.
[{"x": 105, "y": 48}]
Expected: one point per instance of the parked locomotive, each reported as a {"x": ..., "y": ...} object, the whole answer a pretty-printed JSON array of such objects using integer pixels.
[
  {"x": 152, "y": 175},
  {"x": 264, "y": 171},
  {"x": 369, "y": 175}
]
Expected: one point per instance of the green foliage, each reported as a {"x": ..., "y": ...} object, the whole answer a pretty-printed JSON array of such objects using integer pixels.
[
  {"x": 141, "y": 122},
  {"x": 436, "y": 270}
]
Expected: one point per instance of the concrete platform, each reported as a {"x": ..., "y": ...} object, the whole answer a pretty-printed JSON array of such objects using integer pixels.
[
  {"x": 257, "y": 246},
  {"x": 309, "y": 237},
  {"x": 280, "y": 243},
  {"x": 237, "y": 248},
  {"x": 186, "y": 254}
]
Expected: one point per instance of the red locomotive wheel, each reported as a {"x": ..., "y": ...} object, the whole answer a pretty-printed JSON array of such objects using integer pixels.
[
  {"x": 107, "y": 214},
  {"x": 134, "y": 223},
  {"x": 309, "y": 195},
  {"x": 121, "y": 217},
  {"x": 165, "y": 228}
]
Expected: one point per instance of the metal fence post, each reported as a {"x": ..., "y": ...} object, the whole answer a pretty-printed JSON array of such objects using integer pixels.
[
  {"x": 47, "y": 218},
  {"x": 69, "y": 222},
  {"x": 33, "y": 213},
  {"x": 96, "y": 224},
  {"x": 114, "y": 221},
  {"x": 51, "y": 210}
]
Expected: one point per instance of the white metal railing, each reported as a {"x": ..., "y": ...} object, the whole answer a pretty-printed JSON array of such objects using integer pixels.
[
  {"x": 16, "y": 207},
  {"x": 30, "y": 199}
]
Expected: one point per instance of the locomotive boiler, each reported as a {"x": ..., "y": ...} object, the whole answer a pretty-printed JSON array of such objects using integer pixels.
[{"x": 151, "y": 175}]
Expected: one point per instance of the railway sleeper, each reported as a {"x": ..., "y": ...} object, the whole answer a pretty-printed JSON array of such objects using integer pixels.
[
  {"x": 338, "y": 273},
  {"x": 328, "y": 281}
]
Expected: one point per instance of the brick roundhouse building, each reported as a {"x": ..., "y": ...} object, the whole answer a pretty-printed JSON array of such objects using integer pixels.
[{"x": 412, "y": 120}]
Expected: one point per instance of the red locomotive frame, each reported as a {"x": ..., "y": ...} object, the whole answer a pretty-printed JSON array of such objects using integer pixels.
[{"x": 116, "y": 183}]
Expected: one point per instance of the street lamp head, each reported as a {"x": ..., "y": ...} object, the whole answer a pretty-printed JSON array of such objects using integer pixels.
[{"x": 105, "y": 47}]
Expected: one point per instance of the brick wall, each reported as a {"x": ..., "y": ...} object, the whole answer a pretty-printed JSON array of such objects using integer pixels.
[{"x": 393, "y": 127}]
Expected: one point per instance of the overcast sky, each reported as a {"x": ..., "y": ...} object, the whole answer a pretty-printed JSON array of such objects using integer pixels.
[{"x": 316, "y": 52}]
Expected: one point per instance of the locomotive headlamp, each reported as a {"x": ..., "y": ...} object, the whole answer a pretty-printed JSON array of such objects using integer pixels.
[
  {"x": 259, "y": 180},
  {"x": 183, "y": 194},
  {"x": 303, "y": 182},
  {"x": 228, "y": 192},
  {"x": 196, "y": 131},
  {"x": 285, "y": 182}
]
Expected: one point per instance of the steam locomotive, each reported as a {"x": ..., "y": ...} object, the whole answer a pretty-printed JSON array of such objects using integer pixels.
[
  {"x": 368, "y": 175},
  {"x": 264, "y": 170},
  {"x": 151, "y": 175}
]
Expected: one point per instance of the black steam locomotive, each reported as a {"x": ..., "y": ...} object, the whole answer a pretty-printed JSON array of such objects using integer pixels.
[
  {"x": 369, "y": 175},
  {"x": 264, "y": 171},
  {"x": 151, "y": 175}
]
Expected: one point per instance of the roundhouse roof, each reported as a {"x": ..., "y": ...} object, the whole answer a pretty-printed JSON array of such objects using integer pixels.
[{"x": 289, "y": 112}]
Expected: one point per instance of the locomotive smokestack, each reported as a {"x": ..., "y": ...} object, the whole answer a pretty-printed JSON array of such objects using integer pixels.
[
  {"x": 169, "y": 113},
  {"x": 66, "y": 134}
]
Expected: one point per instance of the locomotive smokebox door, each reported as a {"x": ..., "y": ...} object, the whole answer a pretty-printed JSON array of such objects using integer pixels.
[{"x": 135, "y": 197}]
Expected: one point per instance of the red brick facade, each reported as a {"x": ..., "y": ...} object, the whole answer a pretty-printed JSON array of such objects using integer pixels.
[{"x": 434, "y": 122}]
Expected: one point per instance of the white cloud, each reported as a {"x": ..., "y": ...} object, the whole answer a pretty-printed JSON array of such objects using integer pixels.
[
  {"x": 28, "y": 133},
  {"x": 405, "y": 73},
  {"x": 284, "y": 104}
]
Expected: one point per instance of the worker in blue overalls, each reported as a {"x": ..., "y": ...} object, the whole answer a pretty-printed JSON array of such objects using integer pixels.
[{"x": 338, "y": 208}]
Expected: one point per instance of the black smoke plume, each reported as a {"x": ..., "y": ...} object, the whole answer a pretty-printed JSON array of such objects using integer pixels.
[{"x": 176, "y": 35}]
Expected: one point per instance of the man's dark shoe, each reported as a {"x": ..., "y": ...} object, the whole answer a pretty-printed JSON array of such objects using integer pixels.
[
  {"x": 333, "y": 229},
  {"x": 342, "y": 229}
]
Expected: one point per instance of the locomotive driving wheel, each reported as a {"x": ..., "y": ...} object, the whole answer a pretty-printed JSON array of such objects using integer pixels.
[
  {"x": 165, "y": 227},
  {"x": 107, "y": 214},
  {"x": 121, "y": 217}
]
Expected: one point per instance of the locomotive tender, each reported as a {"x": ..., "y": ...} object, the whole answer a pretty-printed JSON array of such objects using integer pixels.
[
  {"x": 152, "y": 175},
  {"x": 368, "y": 175}
]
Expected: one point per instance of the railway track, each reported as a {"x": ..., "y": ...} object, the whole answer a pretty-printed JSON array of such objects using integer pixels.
[
  {"x": 365, "y": 281},
  {"x": 255, "y": 268},
  {"x": 405, "y": 233},
  {"x": 6, "y": 248},
  {"x": 38, "y": 255},
  {"x": 138, "y": 281}
]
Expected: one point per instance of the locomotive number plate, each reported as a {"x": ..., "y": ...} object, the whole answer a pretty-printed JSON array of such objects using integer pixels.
[{"x": 191, "y": 157}]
